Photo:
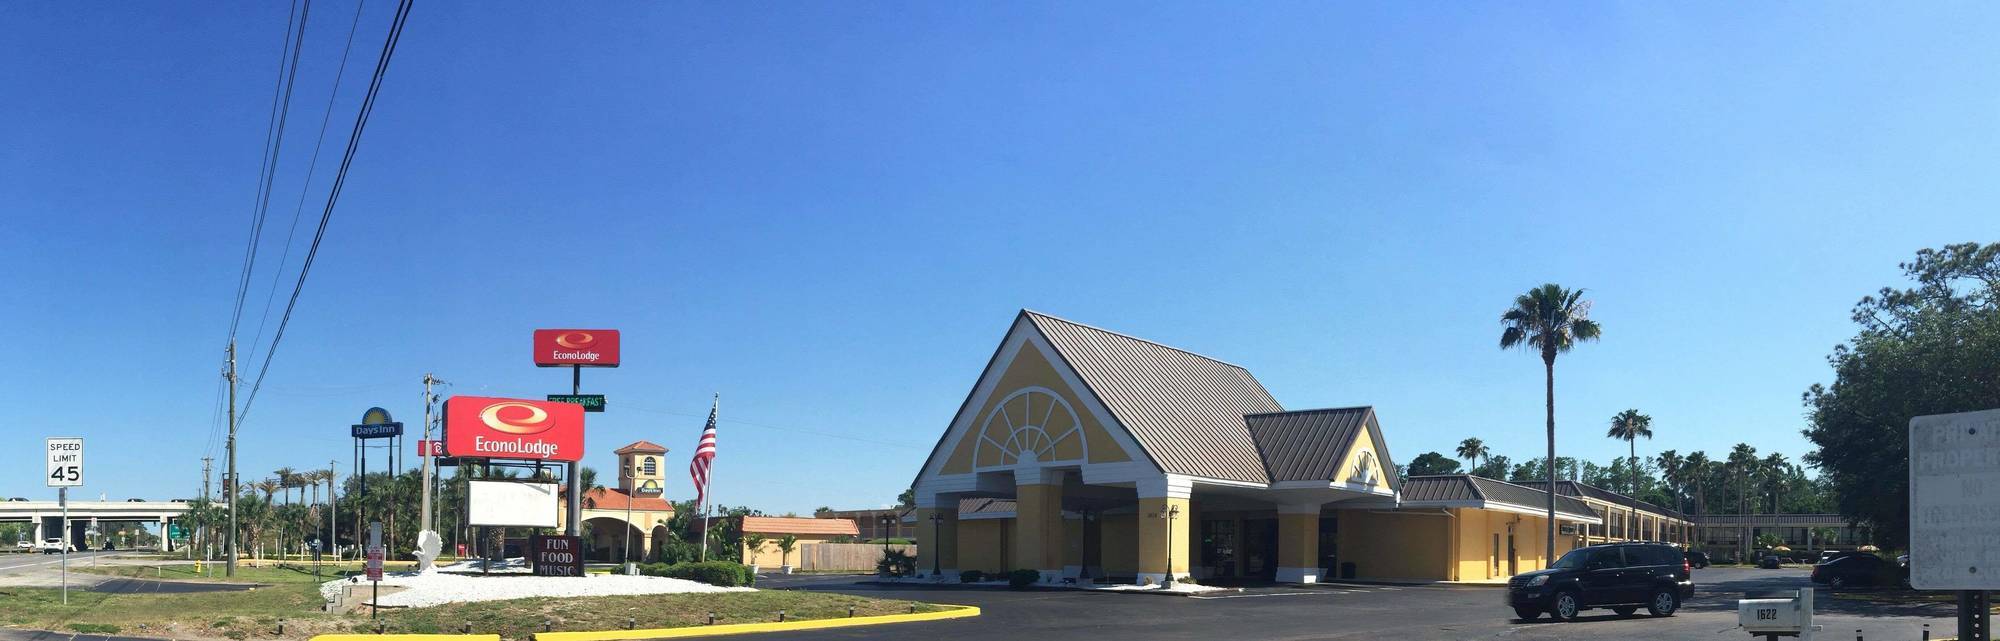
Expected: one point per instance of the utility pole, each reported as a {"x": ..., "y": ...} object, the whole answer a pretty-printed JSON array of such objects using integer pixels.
[
  {"x": 230, "y": 479},
  {"x": 206, "y": 532},
  {"x": 332, "y": 511},
  {"x": 424, "y": 511}
]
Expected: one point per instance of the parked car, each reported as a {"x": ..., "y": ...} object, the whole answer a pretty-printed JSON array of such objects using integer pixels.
[
  {"x": 1770, "y": 562},
  {"x": 24, "y": 544},
  {"x": 108, "y": 547},
  {"x": 1697, "y": 559},
  {"x": 1621, "y": 576},
  {"x": 1829, "y": 555},
  {"x": 1856, "y": 569},
  {"x": 56, "y": 546}
]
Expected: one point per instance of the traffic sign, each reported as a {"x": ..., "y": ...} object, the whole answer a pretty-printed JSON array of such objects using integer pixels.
[
  {"x": 1954, "y": 491},
  {"x": 590, "y": 402},
  {"x": 65, "y": 462}
]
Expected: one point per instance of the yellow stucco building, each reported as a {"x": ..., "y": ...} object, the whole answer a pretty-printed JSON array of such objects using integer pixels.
[
  {"x": 1087, "y": 454},
  {"x": 629, "y": 516}
]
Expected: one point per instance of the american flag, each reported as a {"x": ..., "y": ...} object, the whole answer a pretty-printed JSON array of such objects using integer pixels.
[{"x": 704, "y": 454}]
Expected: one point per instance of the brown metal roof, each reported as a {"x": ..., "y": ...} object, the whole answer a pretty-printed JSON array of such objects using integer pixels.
[
  {"x": 1577, "y": 488},
  {"x": 1465, "y": 487},
  {"x": 1186, "y": 410},
  {"x": 1307, "y": 445}
]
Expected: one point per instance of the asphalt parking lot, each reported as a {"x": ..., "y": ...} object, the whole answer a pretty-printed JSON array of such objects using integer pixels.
[{"x": 1346, "y": 611}]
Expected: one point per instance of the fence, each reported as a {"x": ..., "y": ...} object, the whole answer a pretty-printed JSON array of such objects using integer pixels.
[{"x": 844, "y": 556}]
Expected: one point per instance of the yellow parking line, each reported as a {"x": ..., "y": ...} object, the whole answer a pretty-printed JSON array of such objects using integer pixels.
[{"x": 956, "y": 612}]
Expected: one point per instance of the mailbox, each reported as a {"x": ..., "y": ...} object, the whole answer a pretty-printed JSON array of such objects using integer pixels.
[{"x": 1778, "y": 617}]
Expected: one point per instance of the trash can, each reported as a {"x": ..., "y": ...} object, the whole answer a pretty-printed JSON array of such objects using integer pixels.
[{"x": 1347, "y": 570}]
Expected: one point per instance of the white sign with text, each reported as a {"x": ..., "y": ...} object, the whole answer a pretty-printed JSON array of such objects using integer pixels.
[
  {"x": 65, "y": 462},
  {"x": 1954, "y": 501}
]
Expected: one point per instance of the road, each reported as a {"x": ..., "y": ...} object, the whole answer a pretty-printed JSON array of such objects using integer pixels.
[
  {"x": 1331, "y": 611},
  {"x": 45, "y": 571},
  {"x": 14, "y": 562}
]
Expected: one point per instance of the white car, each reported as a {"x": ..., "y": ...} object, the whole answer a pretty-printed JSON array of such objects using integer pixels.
[
  {"x": 56, "y": 546},
  {"x": 25, "y": 544}
]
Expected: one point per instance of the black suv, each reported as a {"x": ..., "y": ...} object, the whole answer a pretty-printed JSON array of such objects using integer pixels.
[{"x": 1619, "y": 576}]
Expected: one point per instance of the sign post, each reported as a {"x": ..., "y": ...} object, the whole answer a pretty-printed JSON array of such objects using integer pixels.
[
  {"x": 1954, "y": 485},
  {"x": 375, "y": 568},
  {"x": 65, "y": 472}
]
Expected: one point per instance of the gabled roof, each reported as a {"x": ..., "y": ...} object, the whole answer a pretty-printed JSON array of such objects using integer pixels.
[
  {"x": 1309, "y": 445},
  {"x": 1185, "y": 410},
  {"x": 642, "y": 447},
  {"x": 1566, "y": 487},
  {"x": 799, "y": 525},
  {"x": 1465, "y": 488}
]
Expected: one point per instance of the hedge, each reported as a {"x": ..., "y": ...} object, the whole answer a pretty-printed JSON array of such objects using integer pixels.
[{"x": 720, "y": 573}]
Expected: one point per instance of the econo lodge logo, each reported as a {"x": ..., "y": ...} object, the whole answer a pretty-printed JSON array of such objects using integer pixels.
[
  {"x": 576, "y": 347},
  {"x": 518, "y": 418}
]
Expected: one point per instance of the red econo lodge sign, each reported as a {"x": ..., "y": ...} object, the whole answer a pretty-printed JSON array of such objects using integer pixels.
[
  {"x": 584, "y": 347},
  {"x": 512, "y": 428}
]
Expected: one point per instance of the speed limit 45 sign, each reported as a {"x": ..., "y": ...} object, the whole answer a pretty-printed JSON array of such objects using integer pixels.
[{"x": 65, "y": 462}]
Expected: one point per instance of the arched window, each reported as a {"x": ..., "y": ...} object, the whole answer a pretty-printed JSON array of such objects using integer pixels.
[{"x": 651, "y": 466}]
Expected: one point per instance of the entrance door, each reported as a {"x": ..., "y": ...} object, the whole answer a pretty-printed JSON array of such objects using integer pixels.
[
  {"x": 1493, "y": 569},
  {"x": 1260, "y": 549},
  {"x": 1218, "y": 547},
  {"x": 1513, "y": 557},
  {"x": 1329, "y": 546}
]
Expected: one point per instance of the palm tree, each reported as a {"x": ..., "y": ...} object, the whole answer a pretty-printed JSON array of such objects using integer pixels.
[
  {"x": 1697, "y": 468},
  {"x": 1741, "y": 464},
  {"x": 287, "y": 478},
  {"x": 1472, "y": 450},
  {"x": 269, "y": 487},
  {"x": 1629, "y": 426},
  {"x": 1673, "y": 471},
  {"x": 1777, "y": 476},
  {"x": 785, "y": 546},
  {"x": 1549, "y": 319}
]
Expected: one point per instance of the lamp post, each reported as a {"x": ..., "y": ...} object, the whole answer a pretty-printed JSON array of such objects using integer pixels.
[
  {"x": 884, "y": 533},
  {"x": 937, "y": 544},
  {"x": 1170, "y": 513}
]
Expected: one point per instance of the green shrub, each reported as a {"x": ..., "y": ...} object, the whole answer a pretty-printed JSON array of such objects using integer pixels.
[
  {"x": 896, "y": 563},
  {"x": 971, "y": 576},
  {"x": 1019, "y": 579},
  {"x": 726, "y": 574}
]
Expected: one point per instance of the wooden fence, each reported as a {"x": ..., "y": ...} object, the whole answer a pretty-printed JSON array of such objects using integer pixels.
[{"x": 859, "y": 557}]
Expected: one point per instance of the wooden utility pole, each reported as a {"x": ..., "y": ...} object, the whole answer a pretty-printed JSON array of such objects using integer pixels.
[{"x": 230, "y": 479}]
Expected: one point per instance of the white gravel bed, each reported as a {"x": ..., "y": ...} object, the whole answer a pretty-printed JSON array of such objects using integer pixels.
[{"x": 454, "y": 584}]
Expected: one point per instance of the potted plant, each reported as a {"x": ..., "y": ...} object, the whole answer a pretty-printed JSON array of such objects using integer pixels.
[
  {"x": 753, "y": 543},
  {"x": 785, "y": 546}
]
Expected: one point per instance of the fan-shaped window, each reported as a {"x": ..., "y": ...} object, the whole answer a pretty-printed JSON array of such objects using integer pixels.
[
  {"x": 651, "y": 466},
  {"x": 1031, "y": 425}
]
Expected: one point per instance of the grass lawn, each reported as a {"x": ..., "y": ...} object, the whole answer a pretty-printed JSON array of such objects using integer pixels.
[{"x": 292, "y": 596}]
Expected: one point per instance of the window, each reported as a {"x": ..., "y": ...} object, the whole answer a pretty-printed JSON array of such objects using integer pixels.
[
  {"x": 1605, "y": 559},
  {"x": 651, "y": 466}
]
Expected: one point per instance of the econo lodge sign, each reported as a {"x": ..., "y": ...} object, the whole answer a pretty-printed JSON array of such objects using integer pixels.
[
  {"x": 579, "y": 347},
  {"x": 512, "y": 428}
]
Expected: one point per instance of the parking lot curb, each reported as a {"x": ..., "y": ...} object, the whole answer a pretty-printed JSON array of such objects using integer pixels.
[{"x": 952, "y": 612}]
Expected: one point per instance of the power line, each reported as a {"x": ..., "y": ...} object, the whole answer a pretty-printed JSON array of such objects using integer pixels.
[
  {"x": 311, "y": 167},
  {"x": 333, "y": 195},
  {"x": 274, "y": 139}
]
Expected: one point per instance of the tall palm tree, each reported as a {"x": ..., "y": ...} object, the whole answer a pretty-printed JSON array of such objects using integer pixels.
[
  {"x": 1549, "y": 319},
  {"x": 1777, "y": 473},
  {"x": 1472, "y": 450},
  {"x": 287, "y": 478},
  {"x": 1673, "y": 470},
  {"x": 1629, "y": 426},
  {"x": 1697, "y": 467},
  {"x": 1741, "y": 464}
]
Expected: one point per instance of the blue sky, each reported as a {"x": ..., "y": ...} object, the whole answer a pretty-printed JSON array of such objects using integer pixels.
[{"x": 829, "y": 213}]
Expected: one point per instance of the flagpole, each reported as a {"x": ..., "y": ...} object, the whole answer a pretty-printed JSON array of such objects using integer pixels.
[{"x": 714, "y": 410}]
